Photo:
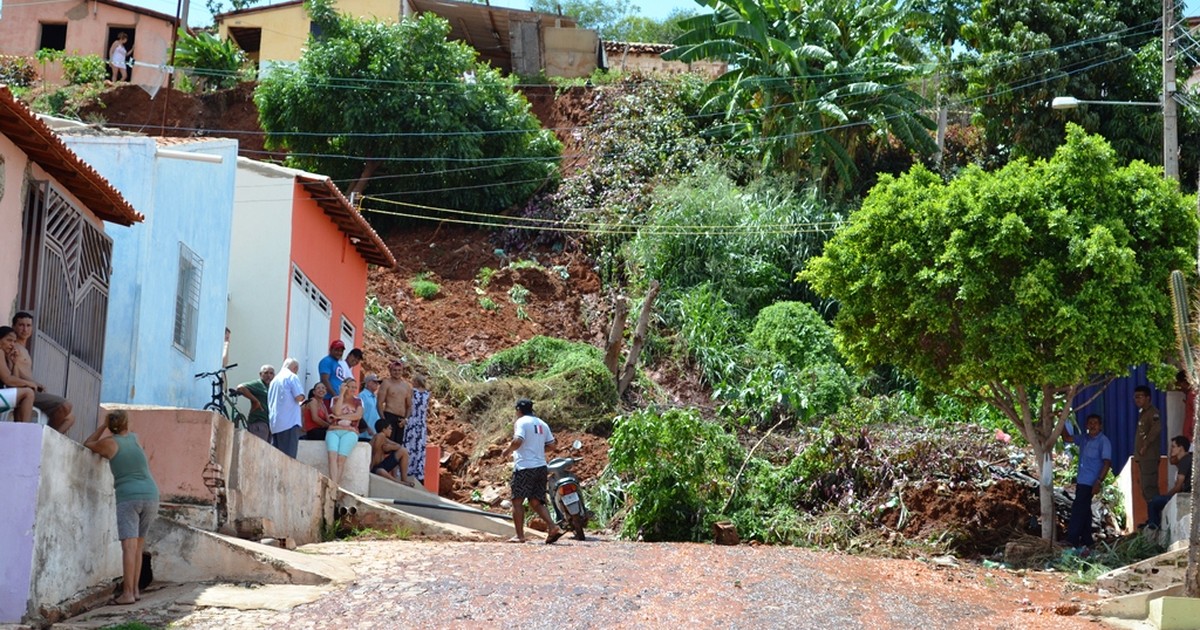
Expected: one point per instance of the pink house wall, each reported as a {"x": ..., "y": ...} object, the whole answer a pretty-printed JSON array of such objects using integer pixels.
[
  {"x": 88, "y": 23},
  {"x": 326, "y": 254},
  {"x": 14, "y": 164}
]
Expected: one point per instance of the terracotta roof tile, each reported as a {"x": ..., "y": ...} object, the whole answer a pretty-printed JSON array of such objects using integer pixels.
[{"x": 48, "y": 151}]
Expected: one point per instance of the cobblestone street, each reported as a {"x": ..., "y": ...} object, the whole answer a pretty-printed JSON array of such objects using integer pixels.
[{"x": 607, "y": 584}]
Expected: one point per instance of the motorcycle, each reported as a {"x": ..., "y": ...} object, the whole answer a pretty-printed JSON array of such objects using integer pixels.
[{"x": 565, "y": 495}]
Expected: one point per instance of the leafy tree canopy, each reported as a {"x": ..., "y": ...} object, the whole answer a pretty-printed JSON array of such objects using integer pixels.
[
  {"x": 406, "y": 114},
  {"x": 603, "y": 16},
  {"x": 1021, "y": 285},
  {"x": 811, "y": 83},
  {"x": 1029, "y": 51}
]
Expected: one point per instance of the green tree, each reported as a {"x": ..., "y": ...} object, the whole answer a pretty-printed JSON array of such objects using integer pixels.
[
  {"x": 810, "y": 83},
  {"x": 1021, "y": 286},
  {"x": 1026, "y": 52},
  {"x": 402, "y": 112},
  {"x": 639, "y": 28}
]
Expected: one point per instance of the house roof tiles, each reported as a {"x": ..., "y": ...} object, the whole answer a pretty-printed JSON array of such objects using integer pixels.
[{"x": 48, "y": 151}]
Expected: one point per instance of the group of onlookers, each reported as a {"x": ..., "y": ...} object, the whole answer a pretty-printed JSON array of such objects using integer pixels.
[
  {"x": 1095, "y": 461},
  {"x": 390, "y": 413}
]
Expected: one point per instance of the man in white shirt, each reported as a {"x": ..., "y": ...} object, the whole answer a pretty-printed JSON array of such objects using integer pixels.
[
  {"x": 530, "y": 437},
  {"x": 284, "y": 397}
]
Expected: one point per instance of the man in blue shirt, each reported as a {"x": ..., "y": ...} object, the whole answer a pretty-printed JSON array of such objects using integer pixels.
[
  {"x": 1095, "y": 460},
  {"x": 370, "y": 406},
  {"x": 331, "y": 376}
]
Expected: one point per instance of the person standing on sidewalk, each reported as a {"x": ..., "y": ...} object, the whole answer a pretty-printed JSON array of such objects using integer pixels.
[
  {"x": 283, "y": 402},
  {"x": 1145, "y": 443},
  {"x": 1095, "y": 460},
  {"x": 137, "y": 496},
  {"x": 530, "y": 437}
]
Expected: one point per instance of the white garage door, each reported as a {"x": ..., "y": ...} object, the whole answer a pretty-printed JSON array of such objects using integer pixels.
[{"x": 309, "y": 316}]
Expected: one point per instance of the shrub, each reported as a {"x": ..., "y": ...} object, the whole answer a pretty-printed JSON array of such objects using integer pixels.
[
  {"x": 81, "y": 69},
  {"x": 518, "y": 294},
  {"x": 211, "y": 63},
  {"x": 678, "y": 468},
  {"x": 794, "y": 333},
  {"x": 17, "y": 71},
  {"x": 423, "y": 287},
  {"x": 488, "y": 304},
  {"x": 763, "y": 234}
]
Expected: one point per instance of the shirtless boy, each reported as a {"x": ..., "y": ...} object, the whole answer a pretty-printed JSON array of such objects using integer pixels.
[
  {"x": 56, "y": 408},
  {"x": 17, "y": 399},
  {"x": 387, "y": 455},
  {"x": 395, "y": 400}
]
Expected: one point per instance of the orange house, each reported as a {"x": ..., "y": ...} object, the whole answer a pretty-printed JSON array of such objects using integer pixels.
[
  {"x": 87, "y": 27},
  {"x": 299, "y": 254}
]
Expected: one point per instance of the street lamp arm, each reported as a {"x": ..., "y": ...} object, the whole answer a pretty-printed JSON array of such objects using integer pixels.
[{"x": 1070, "y": 102}]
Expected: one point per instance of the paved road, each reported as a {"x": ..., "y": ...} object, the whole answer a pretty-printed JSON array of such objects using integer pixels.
[{"x": 605, "y": 584}]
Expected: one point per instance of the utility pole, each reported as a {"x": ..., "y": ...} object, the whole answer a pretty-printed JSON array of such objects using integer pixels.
[{"x": 1170, "y": 113}]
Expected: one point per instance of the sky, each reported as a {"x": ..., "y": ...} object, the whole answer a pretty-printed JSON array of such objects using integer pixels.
[{"x": 198, "y": 14}]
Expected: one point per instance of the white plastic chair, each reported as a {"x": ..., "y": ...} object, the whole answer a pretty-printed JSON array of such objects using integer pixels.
[{"x": 38, "y": 416}]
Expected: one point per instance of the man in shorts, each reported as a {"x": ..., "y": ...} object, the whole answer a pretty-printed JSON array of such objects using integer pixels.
[
  {"x": 530, "y": 437},
  {"x": 57, "y": 409},
  {"x": 394, "y": 400},
  {"x": 388, "y": 459}
]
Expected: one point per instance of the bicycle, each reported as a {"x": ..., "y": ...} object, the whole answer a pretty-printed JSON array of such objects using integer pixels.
[{"x": 221, "y": 397}]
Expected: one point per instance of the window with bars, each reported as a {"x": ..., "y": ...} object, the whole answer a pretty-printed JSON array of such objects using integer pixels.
[{"x": 187, "y": 300}]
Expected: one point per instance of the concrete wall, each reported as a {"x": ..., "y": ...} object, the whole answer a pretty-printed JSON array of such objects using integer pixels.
[
  {"x": 88, "y": 26},
  {"x": 259, "y": 268},
  {"x": 295, "y": 497},
  {"x": 570, "y": 52},
  {"x": 186, "y": 202},
  {"x": 59, "y": 523},
  {"x": 180, "y": 445},
  {"x": 357, "y": 476}
]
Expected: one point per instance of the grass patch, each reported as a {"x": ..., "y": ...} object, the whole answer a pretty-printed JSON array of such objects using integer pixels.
[
  {"x": 423, "y": 287},
  {"x": 370, "y": 533}
]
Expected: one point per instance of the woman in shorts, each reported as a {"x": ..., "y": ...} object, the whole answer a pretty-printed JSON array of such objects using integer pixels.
[
  {"x": 345, "y": 410},
  {"x": 137, "y": 495}
]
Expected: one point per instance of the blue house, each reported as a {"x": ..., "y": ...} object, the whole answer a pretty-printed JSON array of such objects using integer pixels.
[{"x": 169, "y": 289}]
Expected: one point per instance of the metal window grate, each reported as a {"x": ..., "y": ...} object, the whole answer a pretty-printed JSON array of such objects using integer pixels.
[{"x": 187, "y": 300}]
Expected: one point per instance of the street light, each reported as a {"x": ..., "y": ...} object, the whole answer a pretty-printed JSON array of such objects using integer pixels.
[
  {"x": 1170, "y": 130},
  {"x": 1070, "y": 102}
]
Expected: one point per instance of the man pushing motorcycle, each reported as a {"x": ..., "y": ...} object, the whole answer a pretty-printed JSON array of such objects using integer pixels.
[{"x": 530, "y": 437}]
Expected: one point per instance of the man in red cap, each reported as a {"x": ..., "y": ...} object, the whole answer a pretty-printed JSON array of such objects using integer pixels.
[{"x": 328, "y": 367}]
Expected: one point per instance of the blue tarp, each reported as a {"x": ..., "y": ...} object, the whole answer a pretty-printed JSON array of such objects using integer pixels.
[{"x": 1115, "y": 406}]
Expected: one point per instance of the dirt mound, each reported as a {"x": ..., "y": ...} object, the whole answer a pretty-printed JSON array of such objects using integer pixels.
[
  {"x": 468, "y": 321},
  {"x": 221, "y": 114},
  {"x": 980, "y": 520},
  {"x": 565, "y": 113}
]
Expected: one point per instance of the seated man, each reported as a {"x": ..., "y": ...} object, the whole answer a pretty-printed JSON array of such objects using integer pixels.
[
  {"x": 1183, "y": 482},
  {"x": 387, "y": 456},
  {"x": 57, "y": 409},
  {"x": 18, "y": 394}
]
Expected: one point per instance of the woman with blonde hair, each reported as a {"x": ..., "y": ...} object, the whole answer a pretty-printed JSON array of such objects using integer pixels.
[
  {"x": 345, "y": 410},
  {"x": 137, "y": 495}
]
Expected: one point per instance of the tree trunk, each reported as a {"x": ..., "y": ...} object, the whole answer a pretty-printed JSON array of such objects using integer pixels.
[
  {"x": 616, "y": 337},
  {"x": 1045, "y": 490},
  {"x": 360, "y": 184},
  {"x": 639, "y": 338}
]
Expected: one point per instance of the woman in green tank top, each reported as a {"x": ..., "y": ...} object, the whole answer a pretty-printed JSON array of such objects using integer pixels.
[{"x": 137, "y": 495}]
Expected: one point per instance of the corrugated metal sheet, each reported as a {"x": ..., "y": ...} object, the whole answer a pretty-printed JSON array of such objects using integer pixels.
[{"x": 1116, "y": 407}]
